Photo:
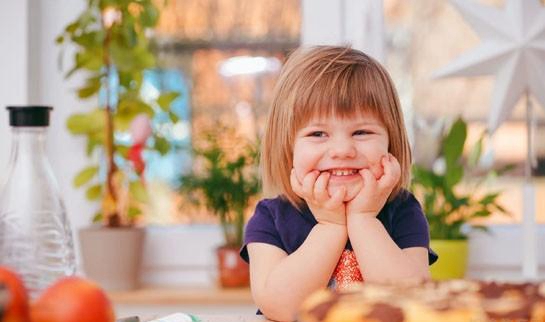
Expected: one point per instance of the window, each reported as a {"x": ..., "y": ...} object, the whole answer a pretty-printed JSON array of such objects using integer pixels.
[
  {"x": 224, "y": 56},
  {"x": 422, "y": 37}
]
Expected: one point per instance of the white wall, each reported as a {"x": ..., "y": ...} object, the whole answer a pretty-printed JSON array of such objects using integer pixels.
[
  {"x": 13, "y": 67},
  {"x": 30, "y": 75},
  {"x": 342, "y": 22},
  {"x": 48, "y": 86}
]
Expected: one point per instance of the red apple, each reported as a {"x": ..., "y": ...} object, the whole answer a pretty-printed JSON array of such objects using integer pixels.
[
  {"x": 17, "y": 309},
  {"x": 72, "y": 299}
]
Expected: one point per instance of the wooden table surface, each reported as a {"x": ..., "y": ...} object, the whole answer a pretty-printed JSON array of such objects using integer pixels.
[
  {"x": 232, "y": 318},
  {"x": 204, "y": 318}
]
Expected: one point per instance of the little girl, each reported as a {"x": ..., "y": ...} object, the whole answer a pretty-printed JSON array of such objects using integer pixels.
[{"x": 336, "y": 156}]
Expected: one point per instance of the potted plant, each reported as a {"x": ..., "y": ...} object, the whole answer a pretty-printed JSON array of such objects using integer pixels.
[
  {"x": 225, "y": 184},
  {"x": 448, "y": 207},
  {"x": 112, "y": 51}
]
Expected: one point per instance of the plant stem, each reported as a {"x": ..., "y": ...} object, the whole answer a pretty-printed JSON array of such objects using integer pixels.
[
  {"x": 225, "y": 228},
  {"x": 239, "y": 225},
  {"x": 111, "y": 214}
]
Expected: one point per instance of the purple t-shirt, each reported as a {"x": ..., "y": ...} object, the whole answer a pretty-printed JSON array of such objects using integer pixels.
[{"x": 277, "y": 222}]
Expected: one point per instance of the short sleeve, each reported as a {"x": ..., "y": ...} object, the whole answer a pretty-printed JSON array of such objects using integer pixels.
[
  {"x": 261, "y": 228},
  {"x": 410, "y": 227}
]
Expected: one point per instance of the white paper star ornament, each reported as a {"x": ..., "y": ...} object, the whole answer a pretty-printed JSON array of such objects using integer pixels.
[{"x": 512, "y": 48}]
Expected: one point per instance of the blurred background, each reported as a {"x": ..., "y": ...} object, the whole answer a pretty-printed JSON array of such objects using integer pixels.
[{"x": 222, "y": 58}]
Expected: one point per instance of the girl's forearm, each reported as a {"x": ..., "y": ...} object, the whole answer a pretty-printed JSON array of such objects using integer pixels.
[
  {"x": 379, "y": 258},
  {"x": 307, "y": 269}
]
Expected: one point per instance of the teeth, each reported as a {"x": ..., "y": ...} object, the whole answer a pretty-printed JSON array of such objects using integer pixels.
[{"x": 343, "y": 172}]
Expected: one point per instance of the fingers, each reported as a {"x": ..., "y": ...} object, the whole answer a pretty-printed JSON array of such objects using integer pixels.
[
  {"x": 320, "y": 187},
  {"x": 392, "y": 172},
  {"x": 314, "y": 188},
  {"x": 337, "y": 198},
  {"x": 369, "y": 180}
]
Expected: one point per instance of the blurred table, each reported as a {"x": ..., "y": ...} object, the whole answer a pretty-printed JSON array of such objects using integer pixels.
[
  {"x": 232, "y": 318},
  {"x": 183, "y": 295},
  {"x": 208, "y": 318},
  {"x": 161, "y": 301}
]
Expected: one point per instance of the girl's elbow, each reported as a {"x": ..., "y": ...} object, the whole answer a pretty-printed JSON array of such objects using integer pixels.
[
  {"x": 275, "y": 309},
  {"x": 279, "y": 315}
]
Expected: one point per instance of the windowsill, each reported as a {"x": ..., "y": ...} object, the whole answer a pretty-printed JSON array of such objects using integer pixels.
[{"x": 183, "y": 295}]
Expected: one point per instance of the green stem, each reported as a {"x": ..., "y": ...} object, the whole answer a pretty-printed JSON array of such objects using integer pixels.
[{"x": 112, "y": 216}]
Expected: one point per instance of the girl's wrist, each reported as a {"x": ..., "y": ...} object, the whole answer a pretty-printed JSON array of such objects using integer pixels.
[
  {"x": 332, "y": 226},
  {"x": 361, "y": 217}
]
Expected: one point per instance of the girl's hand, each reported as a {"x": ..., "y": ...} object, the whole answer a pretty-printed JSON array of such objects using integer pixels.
[
  {"x": 374, "y": 192},
  {"x": 313, "y": 189}
]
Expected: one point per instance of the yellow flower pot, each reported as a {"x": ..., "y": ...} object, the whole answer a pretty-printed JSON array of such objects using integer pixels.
[{"x": 452, "y": 262}]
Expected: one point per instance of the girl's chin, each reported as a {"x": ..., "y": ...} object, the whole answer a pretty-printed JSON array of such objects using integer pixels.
[{"x": 351, "y": 190}]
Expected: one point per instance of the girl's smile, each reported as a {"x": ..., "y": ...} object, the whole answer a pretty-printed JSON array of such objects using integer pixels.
[{"x": 341, "y": 148}]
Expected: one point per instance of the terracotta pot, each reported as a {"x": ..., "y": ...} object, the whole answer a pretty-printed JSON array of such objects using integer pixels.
[
  {"x": 112, "y": 256},
  {"x": 233, "y": 270}
]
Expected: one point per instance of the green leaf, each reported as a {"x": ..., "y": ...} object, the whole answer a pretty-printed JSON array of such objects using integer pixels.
[
  {"x": 173, "y": 117},
  {"x": 506, "y": 168},
  {"x": 122, "y": 150},
  {"x": 489, "y": 198},
  {"x": 134, "y": 212},
  {"x": 481, "y": 228},
  {"x": 94, "y": 140},
  {"x": 85, "y": 175},
  {"x": 161, "y": 145},
  {"x": 59, "y": 40},
  {"x": 475, "y": 153},
  {"x": 454, "y": 175},
  {"x": 501, "y": 209},
  {"x": 424, "y": 177},
  {"x": 149, "y": 16},
  {"x": 166, "y": 99},
  {"x": 453, "y": 144},
  {"x": 129, "y": 35},
  {"x": 482, "y": 213},
  {"x": 91, "y": 88},
  {"x": 90, "y": 59},
  {"x": 91, "y": 122},
  {"x": 72, "y": 27},
  {"x": 138, "y": 191},
  {"x": 94, "y": 192},
  {"x": 90, "y": 39},
  {"x": 97, "y": 217}
]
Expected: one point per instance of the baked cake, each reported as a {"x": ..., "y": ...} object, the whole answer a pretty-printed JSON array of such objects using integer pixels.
[{"x": 448, "y": 301}]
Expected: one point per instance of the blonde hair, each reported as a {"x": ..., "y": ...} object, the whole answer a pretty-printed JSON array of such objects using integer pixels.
[{"x": 326, "y": 81}]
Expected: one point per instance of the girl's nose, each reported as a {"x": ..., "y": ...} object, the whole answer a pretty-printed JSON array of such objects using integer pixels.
[{"x": 342, "y": 149}]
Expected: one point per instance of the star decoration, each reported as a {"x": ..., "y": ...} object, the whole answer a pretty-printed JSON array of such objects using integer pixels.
[{"x": 512, "y": 49}]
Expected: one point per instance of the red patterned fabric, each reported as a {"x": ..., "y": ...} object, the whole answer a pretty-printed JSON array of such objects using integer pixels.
[{"x": 347, "y": 271}]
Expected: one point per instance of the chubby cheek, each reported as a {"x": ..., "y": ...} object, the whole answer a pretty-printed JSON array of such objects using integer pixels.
[{"x": 302, "y": 165}]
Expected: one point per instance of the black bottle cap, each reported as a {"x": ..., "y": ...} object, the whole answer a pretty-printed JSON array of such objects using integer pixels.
[{"x": 32, "y": 115}]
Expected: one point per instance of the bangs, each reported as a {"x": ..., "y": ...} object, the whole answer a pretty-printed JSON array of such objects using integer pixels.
[{"x": 341, "y": 91}]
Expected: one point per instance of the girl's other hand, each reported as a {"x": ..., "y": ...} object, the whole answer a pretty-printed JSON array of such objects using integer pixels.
[
  {"x": 313, "y": 189},
  {"x": 374, "y": 192}
]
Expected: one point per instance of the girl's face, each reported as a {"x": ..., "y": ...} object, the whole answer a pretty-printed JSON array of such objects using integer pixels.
[{"x": 342, "y": 147}]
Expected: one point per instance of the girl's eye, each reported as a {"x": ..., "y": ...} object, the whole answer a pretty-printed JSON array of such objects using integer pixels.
[
  {"x": 317, "y": 134},
  {"x": 362, "y": 132}
]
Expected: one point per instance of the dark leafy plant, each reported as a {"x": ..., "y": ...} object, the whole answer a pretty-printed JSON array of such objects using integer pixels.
[
  {"x": 447, "y": 209},
  {"x": 227, "y": 181},
  {"x": 112, "y": 51}
]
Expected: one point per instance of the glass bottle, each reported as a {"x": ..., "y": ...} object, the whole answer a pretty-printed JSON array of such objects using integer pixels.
[{"x": 35, "y": 235}]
